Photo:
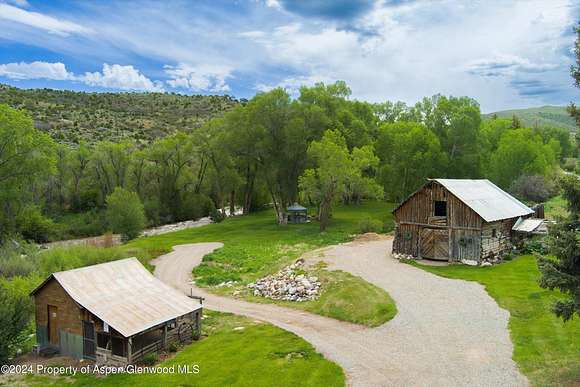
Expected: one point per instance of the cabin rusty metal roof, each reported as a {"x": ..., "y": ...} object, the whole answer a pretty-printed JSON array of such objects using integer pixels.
[
  {"x": 124, "y": 295},
  {"x": 485, "y": 198}
]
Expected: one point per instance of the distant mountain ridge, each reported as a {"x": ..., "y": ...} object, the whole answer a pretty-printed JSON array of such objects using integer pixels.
[
  {"x": 552, "y": 116},
  {"x": 71, "y": 117}
]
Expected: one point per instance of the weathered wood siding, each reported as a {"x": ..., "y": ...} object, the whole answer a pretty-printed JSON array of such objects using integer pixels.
[
  {"x": 465, "y": 244},
  {"x": 406, "y": 239},
  {"x": 418, "y": 212}
]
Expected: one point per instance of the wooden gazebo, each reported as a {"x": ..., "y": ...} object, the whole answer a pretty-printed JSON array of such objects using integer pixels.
[{"x": 297, "y": 214}]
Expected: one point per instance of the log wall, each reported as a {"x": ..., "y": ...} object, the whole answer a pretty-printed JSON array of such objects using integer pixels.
[{"x": 494, "y": 246}]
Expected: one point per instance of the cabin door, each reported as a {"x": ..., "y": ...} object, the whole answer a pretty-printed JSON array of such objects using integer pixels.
[
  {"x": 53, "y": 325},
  {"x": 88, "y": 340},
  {"x": 435, "y": 244}
]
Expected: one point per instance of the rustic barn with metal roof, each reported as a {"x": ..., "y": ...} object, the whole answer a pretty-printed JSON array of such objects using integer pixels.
[
  {"x": 457, "y": 219},
  {"x": 113, "y": 312}
]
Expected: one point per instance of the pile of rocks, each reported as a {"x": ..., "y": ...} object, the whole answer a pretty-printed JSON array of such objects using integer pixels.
[
  {"x": 400, "y": 256},
  {"x": 287, "y": 285}
]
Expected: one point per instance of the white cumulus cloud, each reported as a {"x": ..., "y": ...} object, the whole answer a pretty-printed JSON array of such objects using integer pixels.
[
  {"x": 112, "y": 76},
  {"x": 199, "y": 78},
  {"x": 36, "y": 70},
  {"x": 121, "y": 77}
]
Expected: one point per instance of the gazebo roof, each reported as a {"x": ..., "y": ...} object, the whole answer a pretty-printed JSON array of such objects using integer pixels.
[{"x": 296, "y": 207}]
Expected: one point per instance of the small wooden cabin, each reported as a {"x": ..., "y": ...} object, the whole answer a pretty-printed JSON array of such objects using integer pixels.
[
  {"x": 113, "y": 313},
  {"x": 457, "y": 219}
]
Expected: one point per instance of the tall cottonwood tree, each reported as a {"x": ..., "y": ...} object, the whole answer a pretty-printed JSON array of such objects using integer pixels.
[
  {"x": 27, "y": 157},
  {"x": 334, "y": 167},
  {"x": 177, "y": 169},
  {"x": 280, "y": 146},
  {"x": 456, "y": 122},
  {"x": 409, "y": 154}
]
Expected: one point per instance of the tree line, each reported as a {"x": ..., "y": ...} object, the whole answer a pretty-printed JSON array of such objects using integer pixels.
[{"x": 320, "y": 148}]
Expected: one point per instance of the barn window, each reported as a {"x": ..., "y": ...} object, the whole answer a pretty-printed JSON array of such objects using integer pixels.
[
  {"x": 493, "y": 233},
  {"x": 440, "y": 208}
]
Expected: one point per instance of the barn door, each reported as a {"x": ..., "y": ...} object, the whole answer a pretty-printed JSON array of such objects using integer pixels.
[
  {"x": 88, "y": 340},
  {"x": 52, "y": 324},
  {"x": 435, "y": 244}
]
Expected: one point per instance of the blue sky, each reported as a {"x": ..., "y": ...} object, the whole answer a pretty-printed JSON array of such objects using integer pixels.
[{"x": 506, "y": 54}]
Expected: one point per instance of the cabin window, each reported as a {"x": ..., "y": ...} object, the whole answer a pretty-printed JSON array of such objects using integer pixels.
[
  {"x": 118, "y": 346},
  {"x": 440, "y": 208},
  {"x": 493, "y": 233},
  {"x": 103, "y": 340}
]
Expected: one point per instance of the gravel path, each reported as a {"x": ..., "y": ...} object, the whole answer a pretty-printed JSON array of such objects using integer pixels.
[{"x": 447, "y": 332}]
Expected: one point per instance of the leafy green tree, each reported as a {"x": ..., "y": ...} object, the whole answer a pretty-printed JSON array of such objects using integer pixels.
[
  {"x": 563, "y": 270},
  {"x": 334, "y": 167},
  {"x": 239, "y": 142},
  {"x": 355, "y": 120},
  {"x": 78, "y": 165},
  {"x": 520, "y": 152},
  {"x": 224, "y": 177},
  {"x": 280, "y": 144},
  {"x": 559, "y": 136},
  {"x": 27, "y": 157},
  {"x": 110, "y": 164},
  {"x": 178, "y": 168},
  {"x": 409, "y": 154},
  {"x": 125, "y": 213},
  {"x": 390, "y": 112},
  {"x": 15, "y": 313},
  {"x": 490, "y": 134},
  {"x": 456, "y": 122}
]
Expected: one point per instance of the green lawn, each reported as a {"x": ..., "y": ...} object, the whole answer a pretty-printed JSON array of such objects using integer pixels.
[
  {"x": 345, "y": 297},
  {"x": 555, "y": 208},
  {"x": 255, "y": 246},
  {"x": 258, "y": 355},
  {"x": 546, "y": 349}
]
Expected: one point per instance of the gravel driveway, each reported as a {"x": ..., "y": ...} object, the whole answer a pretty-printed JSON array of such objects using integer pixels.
[{"x": 446, "y": 333}]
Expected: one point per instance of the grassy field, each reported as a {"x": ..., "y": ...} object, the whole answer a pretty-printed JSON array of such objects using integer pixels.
[
  {"x": 556, "y": 208},
  {"x": 546, "y": 349},
  {"x": 341, "y": 299},
  {"x": 237, "y": 352},
  {"x": 255, "y": 246}
]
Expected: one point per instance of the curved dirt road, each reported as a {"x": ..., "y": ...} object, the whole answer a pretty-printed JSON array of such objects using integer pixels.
[{"x": 446, "y": 333}]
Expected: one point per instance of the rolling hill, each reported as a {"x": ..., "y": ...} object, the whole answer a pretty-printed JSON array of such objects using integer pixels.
[
  {"x": 549, "y": 116},
  {"x": 71, "y": 117}
]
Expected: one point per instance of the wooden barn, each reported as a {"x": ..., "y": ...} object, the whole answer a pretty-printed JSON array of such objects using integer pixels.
[
  {"x": 457, "y": 219},
  {"x": 113, "y": 313}
]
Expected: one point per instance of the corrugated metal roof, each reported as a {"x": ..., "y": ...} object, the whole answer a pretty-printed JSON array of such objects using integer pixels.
[
  {"x": 486, "y": 199},
  {"x": 296, "y": 207},
  {"x": 125, "y": 295},
  {"x": 528, "y": 225}
]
